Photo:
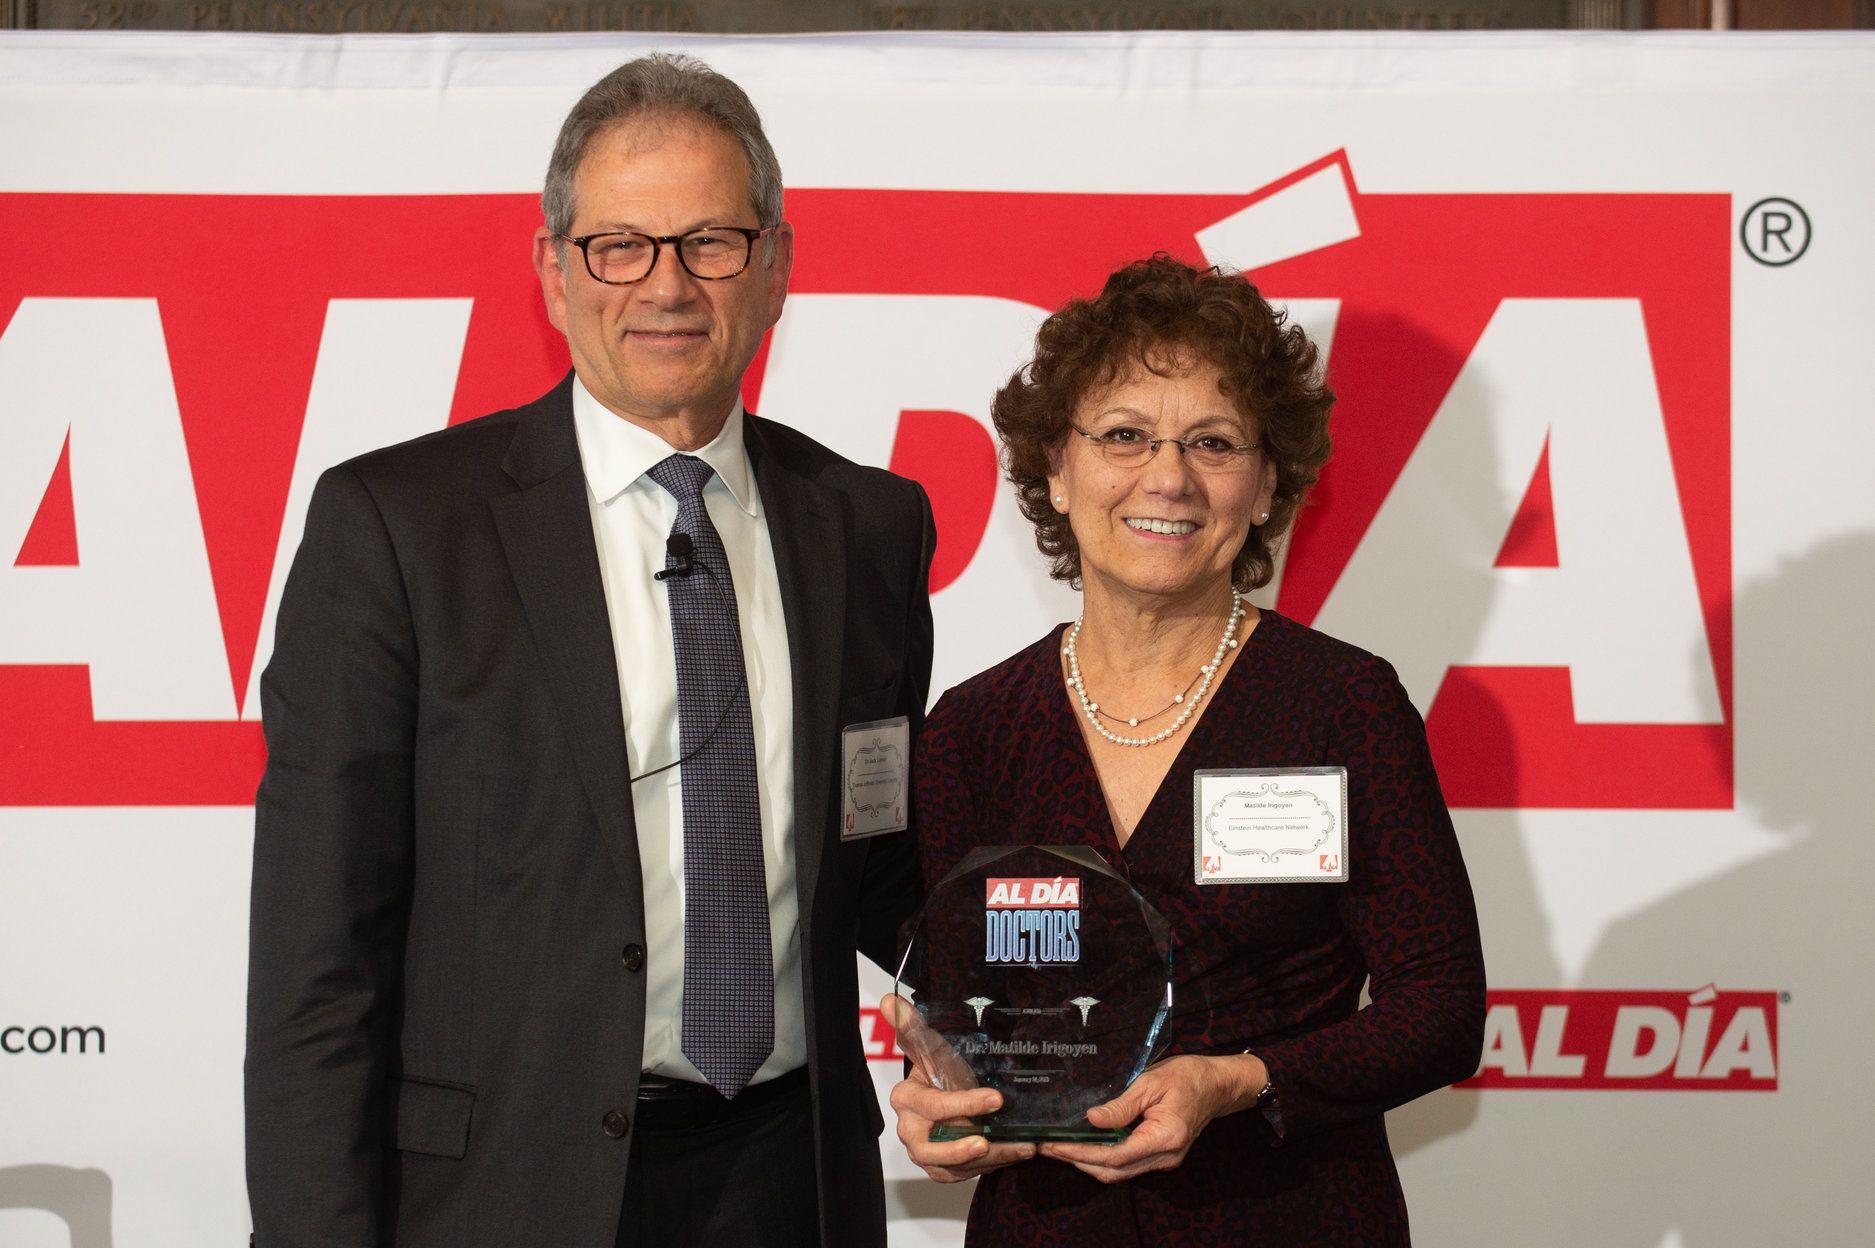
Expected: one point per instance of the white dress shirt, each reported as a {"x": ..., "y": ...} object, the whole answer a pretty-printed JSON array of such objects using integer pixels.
[{"x": 632, "y": 515}]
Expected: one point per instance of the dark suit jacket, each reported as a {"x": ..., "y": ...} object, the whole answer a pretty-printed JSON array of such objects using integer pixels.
[{"x": 441, "y": 1014}]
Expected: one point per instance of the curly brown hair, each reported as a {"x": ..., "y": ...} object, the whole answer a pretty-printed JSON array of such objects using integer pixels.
[{"x": 1163, "y": 315}]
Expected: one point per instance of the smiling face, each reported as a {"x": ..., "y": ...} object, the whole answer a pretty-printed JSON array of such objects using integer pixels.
[
  {"x": 1163, "y": 531},
  {"x": 667, "y": 353}
]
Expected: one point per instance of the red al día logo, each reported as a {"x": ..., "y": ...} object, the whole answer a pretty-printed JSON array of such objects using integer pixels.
[
  {"x": 1032, "y": 920},
  {"x": 149, "y": 511},
  {"x": 1700, "y": 1041}
]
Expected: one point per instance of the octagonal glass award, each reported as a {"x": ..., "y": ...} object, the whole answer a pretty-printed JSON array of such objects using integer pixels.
[{"x": 1039, "y": 971}]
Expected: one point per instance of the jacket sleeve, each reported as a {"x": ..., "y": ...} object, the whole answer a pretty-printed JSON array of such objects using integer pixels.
[
  {"x": 890, "y": 889},
  {"x": 331, "y": 893},
  {"x": 1408, "y": 908}
]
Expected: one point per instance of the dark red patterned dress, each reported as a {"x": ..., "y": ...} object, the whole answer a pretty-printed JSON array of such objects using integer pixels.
[{"x": 1276, "y": 969}]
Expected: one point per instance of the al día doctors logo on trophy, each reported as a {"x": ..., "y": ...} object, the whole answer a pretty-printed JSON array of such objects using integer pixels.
[
  {"x": 1032, "y": 920},
  {"x": 1004, "y": 986}
]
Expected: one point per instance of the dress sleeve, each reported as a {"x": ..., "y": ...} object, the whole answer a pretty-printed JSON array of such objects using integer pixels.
[{"x": 1407, "y": 908}]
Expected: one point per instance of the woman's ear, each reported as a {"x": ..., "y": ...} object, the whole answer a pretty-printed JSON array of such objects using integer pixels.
[
  {"x": 1057, "y": 480},
  {"x": 1266, "y": 496}
]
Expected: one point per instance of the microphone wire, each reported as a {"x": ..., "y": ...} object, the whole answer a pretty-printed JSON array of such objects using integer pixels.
[{"x": 741, "y": 685}]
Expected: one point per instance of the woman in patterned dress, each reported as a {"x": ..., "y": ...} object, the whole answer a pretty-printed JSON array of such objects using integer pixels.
[{"x": 1161, "y": 442}]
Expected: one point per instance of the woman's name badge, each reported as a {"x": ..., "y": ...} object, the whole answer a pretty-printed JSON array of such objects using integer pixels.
[
  {"x": 1270, "y": 825},
  {"x": 876, "y": 779}
]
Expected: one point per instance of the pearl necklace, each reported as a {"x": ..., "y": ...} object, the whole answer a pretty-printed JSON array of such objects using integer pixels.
[{"x": 1206, "y": 674}]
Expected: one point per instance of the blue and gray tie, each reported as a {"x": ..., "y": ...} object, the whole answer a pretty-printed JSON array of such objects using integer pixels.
[{"x": 729, "y": 982}]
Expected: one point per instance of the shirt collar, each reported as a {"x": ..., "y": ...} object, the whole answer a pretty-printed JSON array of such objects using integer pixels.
[{"x": 616, "y": 454}]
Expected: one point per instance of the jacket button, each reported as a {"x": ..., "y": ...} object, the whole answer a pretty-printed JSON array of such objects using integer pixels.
[
  {"x": 634, "y": 957},
  {"x": 616, "y": 1124}
]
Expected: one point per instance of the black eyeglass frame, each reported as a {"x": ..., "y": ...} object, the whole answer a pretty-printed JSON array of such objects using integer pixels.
[
  {"x": 1153, "y": 444},
  {"x": 676, "y": 241}
]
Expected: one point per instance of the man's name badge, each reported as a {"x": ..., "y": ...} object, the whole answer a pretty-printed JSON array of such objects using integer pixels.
[
  {"x": 875, "y": 782},
  {"x": 1270, "y": 825}
]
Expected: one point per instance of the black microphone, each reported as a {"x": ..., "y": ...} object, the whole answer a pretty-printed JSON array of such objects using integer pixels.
[{"x": 680, "y": 548}]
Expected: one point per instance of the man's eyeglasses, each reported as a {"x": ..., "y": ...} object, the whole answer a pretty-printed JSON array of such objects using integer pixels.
[
  {"x": 1127, "y": 447},
  {"x": 714, "y": 254}
]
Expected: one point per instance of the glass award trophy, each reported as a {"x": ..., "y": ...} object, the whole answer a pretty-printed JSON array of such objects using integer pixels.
[{"x": 1039, "y": 971}]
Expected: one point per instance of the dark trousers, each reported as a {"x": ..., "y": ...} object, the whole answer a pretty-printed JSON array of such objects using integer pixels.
[{"x": 747, "y": 1180}]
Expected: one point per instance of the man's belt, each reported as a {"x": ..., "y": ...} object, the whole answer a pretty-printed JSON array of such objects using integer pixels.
[{"x": 666, "y": 1104}]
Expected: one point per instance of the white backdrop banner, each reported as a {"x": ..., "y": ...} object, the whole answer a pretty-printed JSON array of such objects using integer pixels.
[{"x": 1597, "y": 311}]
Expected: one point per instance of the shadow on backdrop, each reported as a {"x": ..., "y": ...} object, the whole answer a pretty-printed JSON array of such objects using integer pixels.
[
  {"x": 924, "y": 1198},
  {"x": 82, "y": 1198},
  {"x": 1797, "y": 920},
  {"x": 1441, "y": 600}
]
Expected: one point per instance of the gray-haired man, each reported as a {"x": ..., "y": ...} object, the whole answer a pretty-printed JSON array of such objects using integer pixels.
[{"x": 553, "y": 923}]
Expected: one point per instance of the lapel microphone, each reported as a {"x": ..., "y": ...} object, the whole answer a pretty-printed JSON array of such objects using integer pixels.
[{"x": 679, "y": 548}]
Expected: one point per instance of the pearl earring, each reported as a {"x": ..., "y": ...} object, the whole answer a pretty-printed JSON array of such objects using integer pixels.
[
  {"x": 1059, "y": 499},
  {"x": 1264, "y": 518}
]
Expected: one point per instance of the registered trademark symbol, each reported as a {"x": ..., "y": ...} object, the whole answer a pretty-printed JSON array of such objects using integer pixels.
[
  {"x": 1775, "y": 231},
  {"x": 1784, "y": 998}
]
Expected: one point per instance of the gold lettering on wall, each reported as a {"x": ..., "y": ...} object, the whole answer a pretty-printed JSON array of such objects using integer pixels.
[
  {"x": 337, "y": 16},
  {"x": 1172, "y": 17},
  {"x": 600, "y": 15},
  {"x": 677, "y": 16}
]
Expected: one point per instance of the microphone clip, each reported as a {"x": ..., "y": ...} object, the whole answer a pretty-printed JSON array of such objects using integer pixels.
[{"x": 680, "y": 550}]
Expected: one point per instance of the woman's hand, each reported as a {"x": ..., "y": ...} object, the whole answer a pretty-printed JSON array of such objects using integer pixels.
[
  {"x": 1174, "y": 1100},
  {"x": 921, "y": 1104}
]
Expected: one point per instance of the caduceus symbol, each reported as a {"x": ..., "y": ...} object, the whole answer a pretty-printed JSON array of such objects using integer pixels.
[
  {"x": 977, "y": 1004},
  {"x": 1086, "y": 1004}
]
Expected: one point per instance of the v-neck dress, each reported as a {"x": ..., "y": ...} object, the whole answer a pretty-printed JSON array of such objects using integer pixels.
[{"x": 1275, "y": 969}]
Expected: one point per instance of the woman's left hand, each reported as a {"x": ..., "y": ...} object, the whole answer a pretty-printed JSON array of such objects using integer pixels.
[{"x": 1174, "y": 1100}]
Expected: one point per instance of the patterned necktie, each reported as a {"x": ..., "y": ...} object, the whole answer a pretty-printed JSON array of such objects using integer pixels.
[{"x": 729, "y": 973}]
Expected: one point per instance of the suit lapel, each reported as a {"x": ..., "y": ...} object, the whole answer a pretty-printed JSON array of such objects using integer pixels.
[
  {"x": 546, "y": 534},
  {"x": 809, "y": 541}
]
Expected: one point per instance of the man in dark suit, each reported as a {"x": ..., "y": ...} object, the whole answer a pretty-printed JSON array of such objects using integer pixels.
[{"x": 553, "y": 917}]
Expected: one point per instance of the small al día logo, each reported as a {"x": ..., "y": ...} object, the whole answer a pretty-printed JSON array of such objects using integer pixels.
[
  {"x": 1706, "y": 1040},
  {"x": 1032, "y": 920}
]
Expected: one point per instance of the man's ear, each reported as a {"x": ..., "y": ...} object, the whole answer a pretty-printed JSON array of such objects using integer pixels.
[
  {"x": 552, "y": 276},
  {"x": 779, "y": 270}
]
